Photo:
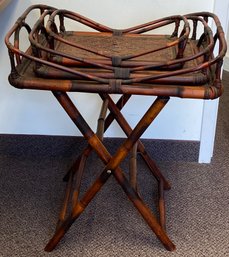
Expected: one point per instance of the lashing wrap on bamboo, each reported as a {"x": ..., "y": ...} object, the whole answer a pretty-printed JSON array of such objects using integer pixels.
[
  {"x": 116, "y": 61},
  {"x": 115, "y": 85},
  {"x": 121, "y": 73},
  {"x": 117, "y": 32}
]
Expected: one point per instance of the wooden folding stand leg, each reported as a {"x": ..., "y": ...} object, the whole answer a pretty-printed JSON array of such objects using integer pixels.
[
  {"x": 163, "y": 183},
  {"x": 107, "y": 122},
  {"x": 111, "y": 168}
]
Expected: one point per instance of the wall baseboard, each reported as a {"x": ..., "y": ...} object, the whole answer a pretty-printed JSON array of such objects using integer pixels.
[{"x": 40, "y": 146}]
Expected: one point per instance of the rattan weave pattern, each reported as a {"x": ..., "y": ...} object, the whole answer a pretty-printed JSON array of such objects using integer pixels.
[{"x": 119, "y": 45}]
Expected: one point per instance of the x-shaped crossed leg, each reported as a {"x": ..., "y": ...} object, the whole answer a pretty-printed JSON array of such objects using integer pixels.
[{"x": 111, "y": 167}]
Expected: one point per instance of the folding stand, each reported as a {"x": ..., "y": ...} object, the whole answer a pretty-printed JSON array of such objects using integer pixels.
[{"x": 112, "y": 167}]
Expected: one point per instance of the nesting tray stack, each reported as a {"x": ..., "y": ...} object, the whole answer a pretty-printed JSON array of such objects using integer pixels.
[{"x": 184, "y": 62}]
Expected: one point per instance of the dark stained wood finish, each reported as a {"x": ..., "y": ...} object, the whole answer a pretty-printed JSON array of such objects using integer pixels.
[{"x": 108, "y": 61}]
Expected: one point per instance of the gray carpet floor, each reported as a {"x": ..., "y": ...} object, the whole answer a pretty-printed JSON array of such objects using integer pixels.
[{"x": 31, "y": 191}]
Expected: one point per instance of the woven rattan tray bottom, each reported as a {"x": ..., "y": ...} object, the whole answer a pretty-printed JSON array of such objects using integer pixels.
[{"x": 125, "y": 45}]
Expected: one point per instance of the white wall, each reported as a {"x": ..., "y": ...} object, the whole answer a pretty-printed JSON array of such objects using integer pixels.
[
  {"x": 32, "y": 112},
  {"x": 210, "y": 108},
  {"x": 226, "y": 62}
]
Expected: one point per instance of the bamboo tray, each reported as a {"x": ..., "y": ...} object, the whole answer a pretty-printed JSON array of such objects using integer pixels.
[
  {"x": 106, "y": 60},
  {"x": 127, "y": 48},
  {"x": 113, "y": 47}
]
